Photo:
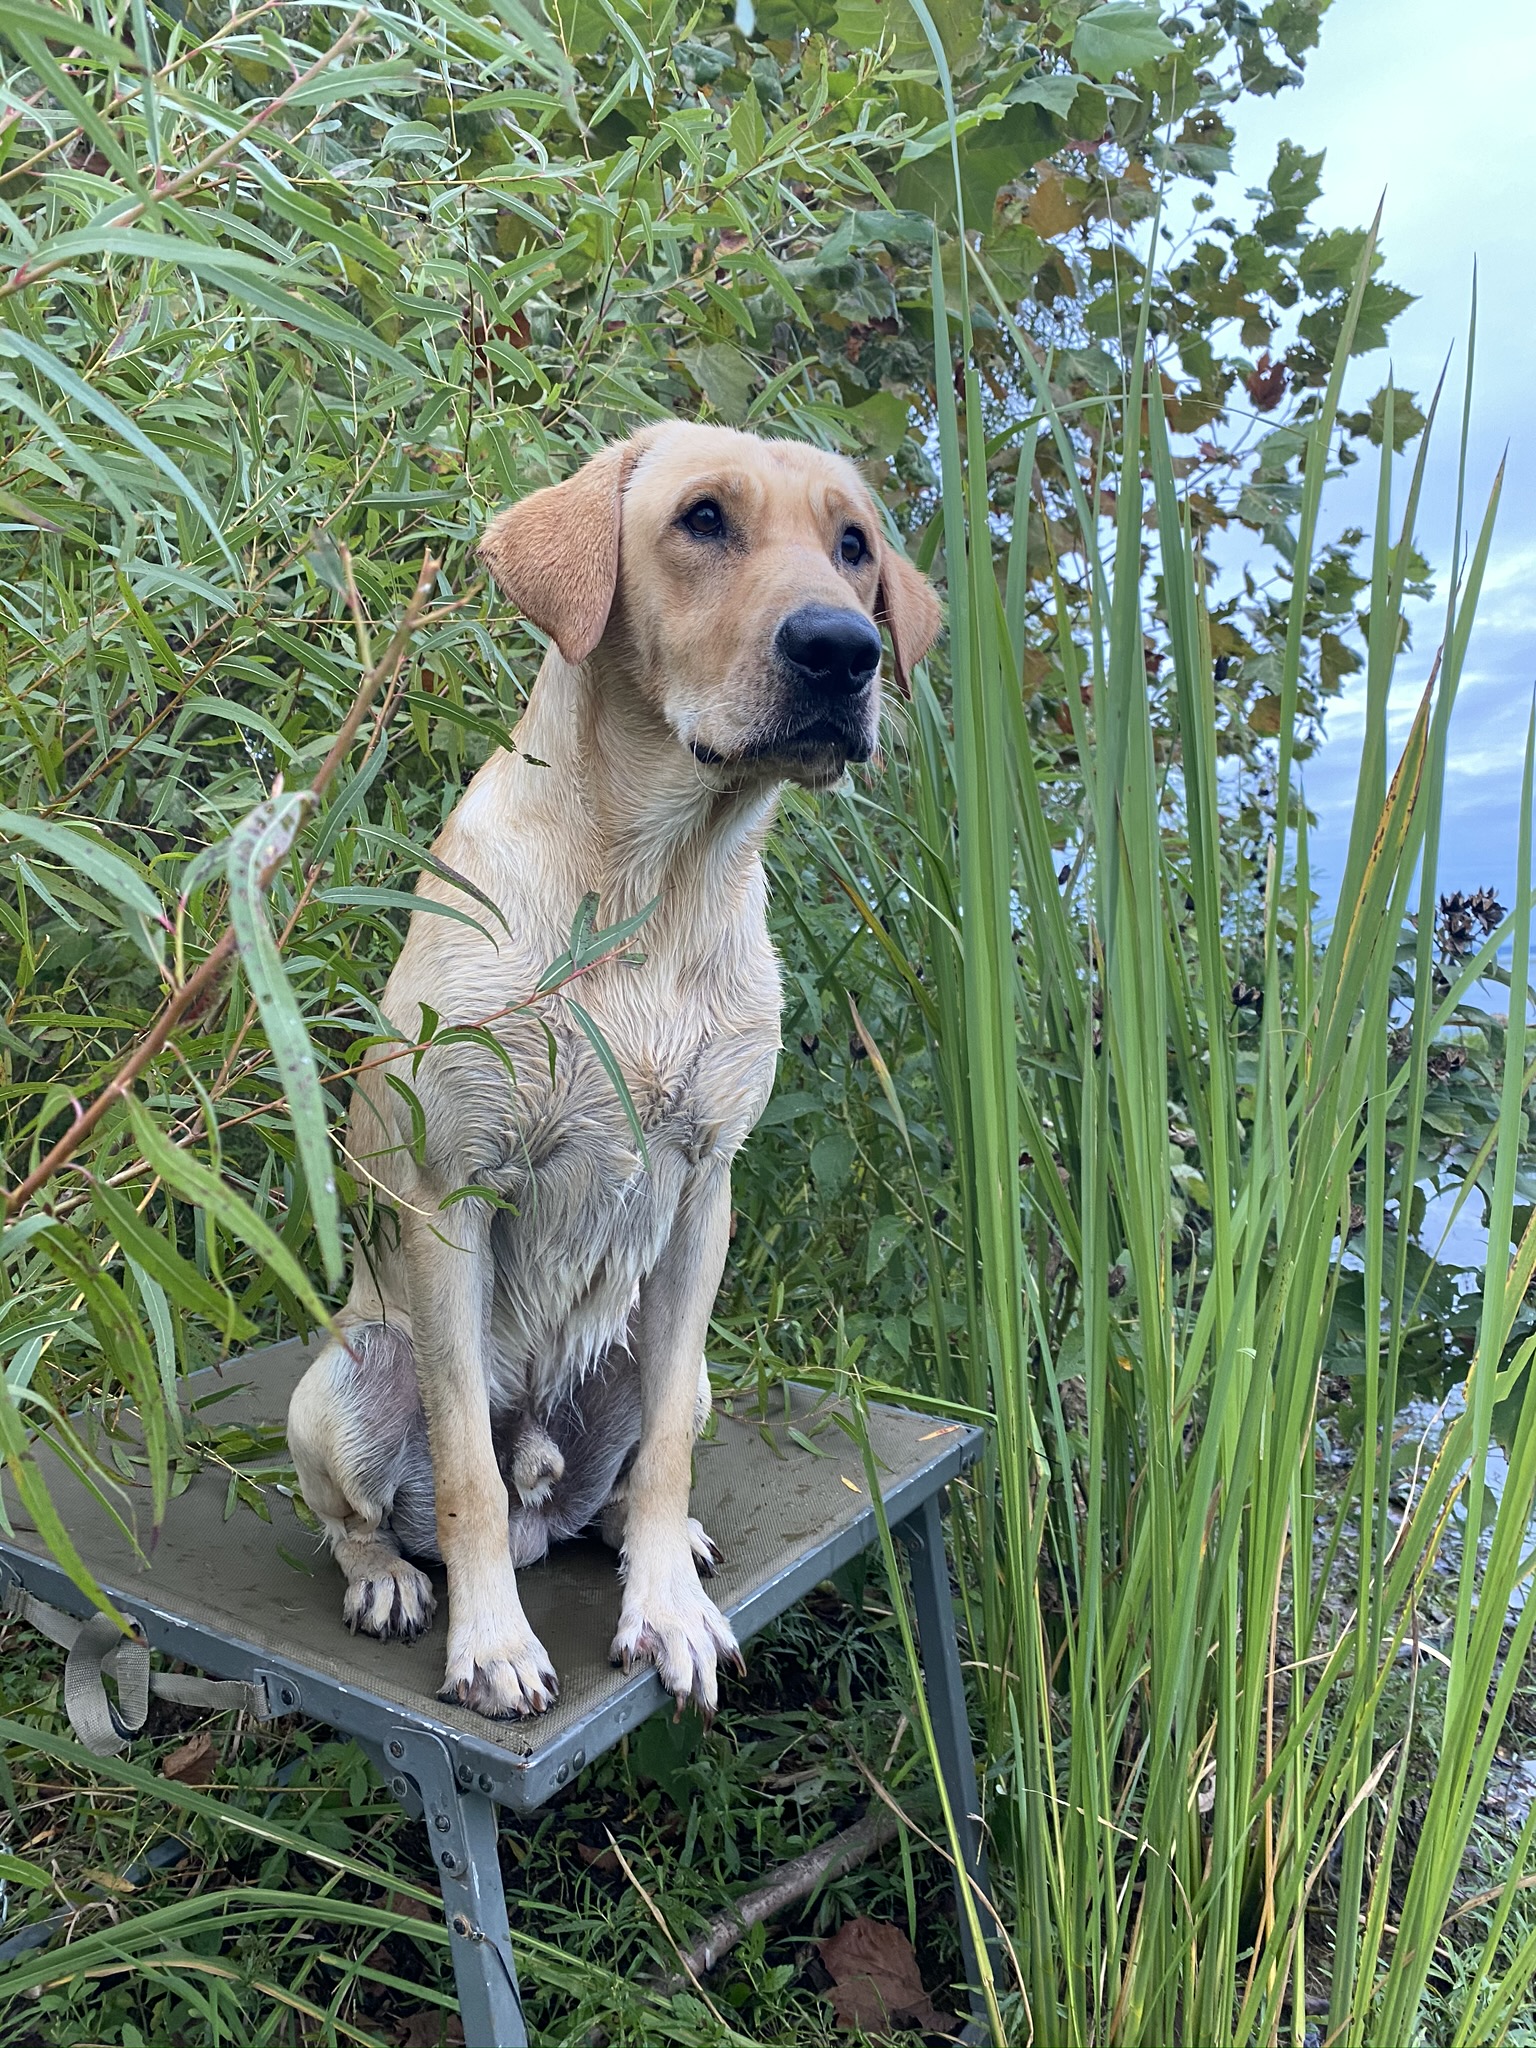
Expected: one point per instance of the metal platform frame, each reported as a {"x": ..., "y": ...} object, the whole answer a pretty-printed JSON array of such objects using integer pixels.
[{"x": 454, "y": 1782}]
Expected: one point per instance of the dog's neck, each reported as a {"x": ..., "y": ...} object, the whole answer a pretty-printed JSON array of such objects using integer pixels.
[{"x": 640, "y": 820}]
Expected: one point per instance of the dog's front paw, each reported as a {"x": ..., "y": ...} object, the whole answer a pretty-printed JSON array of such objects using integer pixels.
[
  {"x": 392, "y": 1598},
  {"x": 670, "y": 1621},
  {"x": 502, "y": 1680}
]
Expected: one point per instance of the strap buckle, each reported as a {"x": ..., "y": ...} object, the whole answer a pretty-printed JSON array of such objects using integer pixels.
[{"x": 97, "y": 1648}]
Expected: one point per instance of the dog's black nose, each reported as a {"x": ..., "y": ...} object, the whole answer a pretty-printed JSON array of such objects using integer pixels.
[{"x": 833, "y": 650}]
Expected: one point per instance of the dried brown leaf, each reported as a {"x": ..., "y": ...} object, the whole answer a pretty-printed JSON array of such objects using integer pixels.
[
  {"x": 1052, "y": 209},
  {"x": 429, "y": 2027},
  {"x": 194, "y": 1763},
  {"x": 876, "y": 1985},
  {"x": 408, "y": 1908},
  {"x": 596, "y": 1857}
]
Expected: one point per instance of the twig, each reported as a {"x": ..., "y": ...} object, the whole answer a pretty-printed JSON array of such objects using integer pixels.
[
  {"x": 789, "y": 1884},
  {"x": 184, "y": 1134},
  {"x": 978, "y": 1892},
  {"x": 201, "y": 983},
  {"x": 382, "y": 672}
]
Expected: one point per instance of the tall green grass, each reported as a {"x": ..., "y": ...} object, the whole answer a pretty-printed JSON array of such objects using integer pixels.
[{"x": 1183, "y": 1644}]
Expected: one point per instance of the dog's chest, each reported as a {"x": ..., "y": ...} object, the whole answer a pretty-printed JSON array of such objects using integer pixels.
[{"x": 590, "y": 1208}]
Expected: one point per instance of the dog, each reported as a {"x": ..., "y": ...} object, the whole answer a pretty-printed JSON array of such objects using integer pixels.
[{"x": 521, "y": 1355}]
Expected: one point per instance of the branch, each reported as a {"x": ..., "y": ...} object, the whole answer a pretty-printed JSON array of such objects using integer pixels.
[
  {"x": 791, "y": 1883},
  {"x": 199, "y": 985}
]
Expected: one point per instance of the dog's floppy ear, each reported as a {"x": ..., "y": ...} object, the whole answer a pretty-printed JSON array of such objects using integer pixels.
[
  {"x": 555, "y": 553},
  {"x": 907, "y": 607}
]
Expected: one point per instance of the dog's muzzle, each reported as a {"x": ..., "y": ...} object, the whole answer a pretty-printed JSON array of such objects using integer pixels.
[{"x": 829, "y": 657}]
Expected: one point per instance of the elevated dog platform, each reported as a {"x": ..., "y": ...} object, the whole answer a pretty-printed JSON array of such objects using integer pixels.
[{"x": 257, "y": 1604}]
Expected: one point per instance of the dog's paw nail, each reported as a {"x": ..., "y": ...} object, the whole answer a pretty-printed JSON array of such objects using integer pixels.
[
  {"x": 706, "y": 1551},
  {"x": 397, "y": 1600},
  {"x": 685, "y": 1636},
  {"x": 516, "y": 1683}
]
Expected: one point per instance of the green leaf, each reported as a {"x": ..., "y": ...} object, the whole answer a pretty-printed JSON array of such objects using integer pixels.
[
  {"x": 1328, "y": 263},
  {"x": 610, "y": 1067},
  {"x": 152, "y": 1249},
  {"x": 380, "y": 898},
  {"x": 353, "y": 82},
  {"x": 864, "y": 24},
  {"x": 664, "y": 1750},
  {"x": 158, "y": 1308},
  {"x": 885, "y": 1233},
  {"x": 1407, "y": 421},
  {"x": 1053, "y": 90},
  {"x": 427, "y": 859},
  {"x": 1123, "y": 36},
  {"x": 724, "y": 375},
  {"x": 48, "y": 365},
  {"x": 590, "y": 942},
  {"x": 198, "y": 1184},
  {"x": 248, "y": 278},
  {"x": 242, "y": 715},
  {"x": 881, "y": 422},
  {"x": 17, "y": 1870},
  {"x": 255, "y": 843},
  {"x": 991, "y": 156},
  {"x": 832, "y": 1159},
  {"x": 87, "y": 856},
  {"x": 20, "y": 400},
  {"x": 27, "y": 514},
  {"x": 749, "y": 131},
  {"x": 126, "y": 1350},
  {"x": 58, "y": 25},
  {"x": 35, "y": 1499},
  {"x": 583, "y": 25}
]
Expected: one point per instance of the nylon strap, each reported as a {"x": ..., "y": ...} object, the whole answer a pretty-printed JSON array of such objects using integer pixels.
[{"x": 98, "y": 1648}]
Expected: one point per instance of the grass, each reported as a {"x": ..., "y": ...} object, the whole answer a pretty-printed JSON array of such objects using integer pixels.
[
  {"x": 249, "y": 1919},
  {"x": 1185, "y": 1747},
  {"x": 1241, "y": 1707}
]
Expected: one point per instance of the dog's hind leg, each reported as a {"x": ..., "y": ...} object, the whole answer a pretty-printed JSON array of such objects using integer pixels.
[
  {"x": 581, "y": 1446},
  {"x": 533, "y": 1462},
  {"x": 357, "y": 1437}
]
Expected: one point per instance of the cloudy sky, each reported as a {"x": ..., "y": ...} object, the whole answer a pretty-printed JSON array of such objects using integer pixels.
[{"x": 1433, "y": 107}]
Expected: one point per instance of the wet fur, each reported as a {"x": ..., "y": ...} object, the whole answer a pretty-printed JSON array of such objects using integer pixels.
[{"x": 525, "y": 1360}]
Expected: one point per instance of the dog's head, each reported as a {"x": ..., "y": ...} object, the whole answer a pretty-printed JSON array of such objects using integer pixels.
[{"x": 738, "y": 585}]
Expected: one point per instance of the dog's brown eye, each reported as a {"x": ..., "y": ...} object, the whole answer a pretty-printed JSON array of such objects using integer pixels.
[
  {"x": 705, "y": 521},
  {"x": 853, "y": 547}
]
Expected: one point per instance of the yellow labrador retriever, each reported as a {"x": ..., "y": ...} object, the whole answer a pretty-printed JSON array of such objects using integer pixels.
[{"x": 524, "y": 1353}]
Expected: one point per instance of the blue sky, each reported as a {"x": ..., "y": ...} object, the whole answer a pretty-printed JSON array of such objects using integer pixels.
[{"x": 1434, "y": 108}]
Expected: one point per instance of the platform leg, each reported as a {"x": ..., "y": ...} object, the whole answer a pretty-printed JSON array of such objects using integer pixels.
[
  {"x": 461, "y": 1831},
  {"x": 923, "y": 1535}
]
